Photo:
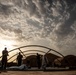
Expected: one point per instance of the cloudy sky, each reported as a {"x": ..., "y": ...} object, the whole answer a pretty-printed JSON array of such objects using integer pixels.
[{"x": 50, "y": 23}]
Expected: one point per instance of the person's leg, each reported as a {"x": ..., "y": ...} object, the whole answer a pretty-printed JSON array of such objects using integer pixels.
[
  {"x": 5, "y": 64},
  {"x": 2, "y": 64},
  {"x": 19, "y": 62},
  {"x": 38, "y": 65}
]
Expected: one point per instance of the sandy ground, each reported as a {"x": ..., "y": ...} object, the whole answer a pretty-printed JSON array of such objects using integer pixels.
[{"x": 38, "y": 73}]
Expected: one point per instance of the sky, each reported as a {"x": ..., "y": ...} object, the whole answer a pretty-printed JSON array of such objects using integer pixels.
[{"x": 50, "y": 23}]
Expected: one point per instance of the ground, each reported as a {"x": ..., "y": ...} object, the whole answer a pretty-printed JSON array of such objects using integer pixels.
[{"x": 38, "y": 73}]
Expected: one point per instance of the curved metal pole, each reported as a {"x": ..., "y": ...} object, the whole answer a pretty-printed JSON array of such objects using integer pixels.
[
  {"x": 36, "y": 46},
  {"x": 42, "y": 47},
  {"x": 24, "y": 52},
  {"x": 55, "y": 51}
]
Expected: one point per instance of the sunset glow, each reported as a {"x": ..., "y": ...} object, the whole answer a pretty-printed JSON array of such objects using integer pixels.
[{"x": 7, "y": 43}]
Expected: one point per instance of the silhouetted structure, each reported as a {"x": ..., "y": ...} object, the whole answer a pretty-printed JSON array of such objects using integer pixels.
[
  {"x": 33, "y": 59},
  {"x": 51, "y": 57},
  {"x": 4, "y": 58},
  {"x": 28, "y": 63},
  {"x": 69, "y": 60},
  {"x": 19, "y": 59},
  {"x": 38, "y": 61}
]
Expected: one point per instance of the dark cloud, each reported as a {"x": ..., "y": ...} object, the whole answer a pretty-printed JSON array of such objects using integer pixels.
[
  {"x": 66, "y": 28},
  {"x": 31, "y": 19},
  {"x": 71, "y": 2},
  {"x": 5, "y": 9}
]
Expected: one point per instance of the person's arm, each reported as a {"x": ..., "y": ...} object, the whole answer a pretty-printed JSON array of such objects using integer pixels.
[
  {"x": 7, "y": 53},
  {"x": 2, "y": 53}
]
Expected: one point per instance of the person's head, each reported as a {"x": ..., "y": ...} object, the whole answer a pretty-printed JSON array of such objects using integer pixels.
[
  {"x": 37, "y": 54},
  {"x": 19, "y": 53},
  {"x": 5, "y": 48}
]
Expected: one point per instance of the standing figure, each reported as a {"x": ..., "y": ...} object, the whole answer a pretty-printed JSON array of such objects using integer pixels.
[
  {"x": 44, "y": 62},
  {"x": 19, "y": 59},
  {"x": 38, "y": 61},
  {"x": 4, "y": 58}
]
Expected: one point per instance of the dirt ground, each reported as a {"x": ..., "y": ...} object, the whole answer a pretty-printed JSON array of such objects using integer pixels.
[{"x": 38, "y": 73}]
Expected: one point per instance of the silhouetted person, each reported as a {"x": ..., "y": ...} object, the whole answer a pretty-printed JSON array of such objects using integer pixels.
[
  {"x": 4, "y": 58},
  {"x": 38, "y": 61},
  {"x": 19, "y": 59},
  {"x": 44, "y": 62}
]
